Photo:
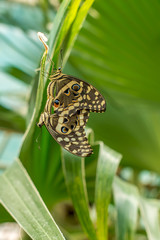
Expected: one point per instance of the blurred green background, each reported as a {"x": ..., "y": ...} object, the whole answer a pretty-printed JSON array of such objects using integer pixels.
[{"x": 117, "y": 51}]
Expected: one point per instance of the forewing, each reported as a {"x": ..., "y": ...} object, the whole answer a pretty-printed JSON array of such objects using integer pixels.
[
  {"x": 87, "y": 97},
  {"x": 92, "y": 99}
]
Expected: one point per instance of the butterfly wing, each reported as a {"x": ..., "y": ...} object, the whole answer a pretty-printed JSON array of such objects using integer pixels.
[
  {"x": 74, "y": 94},
  {"x": 69, "y": 132},
  {"x": 92, "y": 99}
]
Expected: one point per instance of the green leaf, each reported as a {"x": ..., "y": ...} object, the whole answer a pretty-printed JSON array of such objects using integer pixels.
[
  {"x": 117, "y": 51},
  {"x": 108, "y": 161},
  {"x": 151, "y": 217},
  {"x": 116, "y": 36},
  {"x": 59, "y": 19},
  {"x": 126, "y": 201},
  {"x": 77, "y": 25},
  {"x": 74, "y": 172},
  {"x": 67, "y": 23},
  {"x": 20, "y": 197},
  {"x": 46, "y": 157},
  {"x": 53, "y": 36}
]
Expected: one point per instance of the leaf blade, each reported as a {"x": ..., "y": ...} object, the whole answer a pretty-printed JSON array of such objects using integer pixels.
[
  {"x": 20, "y": 197},
  {"x": 150, "y": 215},
  {"x": 81, "y": 15},
  {"x": 74, "y": 172},
  {"x": 108, "y": 161},
  {"x": 126, "y": 201}
]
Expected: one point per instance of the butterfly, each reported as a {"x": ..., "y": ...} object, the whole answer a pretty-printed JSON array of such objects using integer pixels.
[
  {"x": 68, "y": 131},
  {"x": 69, "y": 94},
  {"x": 72, "y": 100}
]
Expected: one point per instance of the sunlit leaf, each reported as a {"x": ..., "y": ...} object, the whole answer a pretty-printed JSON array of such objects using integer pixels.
[{"x": 77, "y": 25}]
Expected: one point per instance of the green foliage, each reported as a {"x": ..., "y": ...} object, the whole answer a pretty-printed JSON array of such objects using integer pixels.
[
  {"x": 23, "y": 202},
  {"x": 108, "y": 161},
  {"x": 118, "y": 52},
  {"x": 74, "y": 172},
  {"x": 115, "y": 51}
]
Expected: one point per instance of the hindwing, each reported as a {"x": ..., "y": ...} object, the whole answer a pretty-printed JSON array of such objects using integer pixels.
[
  {"x": 70, "y": 94},
  {"x": 68, "y": 131}
]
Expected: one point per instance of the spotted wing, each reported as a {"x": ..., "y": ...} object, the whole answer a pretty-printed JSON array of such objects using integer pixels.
[
  {"x": 71, "y": 94},
  {"x": 69, "y": 132}
]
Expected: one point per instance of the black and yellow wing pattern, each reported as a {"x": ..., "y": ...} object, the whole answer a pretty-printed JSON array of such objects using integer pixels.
[
  {"x": 71, "y": 99},
  {"x": 70, "y": 94},
  {"x": 69, "y": 132}
]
